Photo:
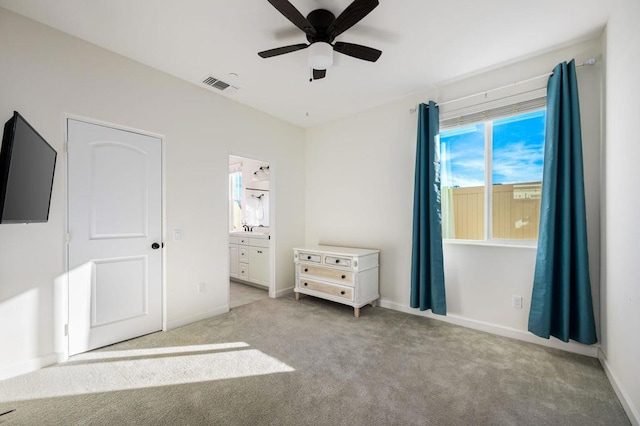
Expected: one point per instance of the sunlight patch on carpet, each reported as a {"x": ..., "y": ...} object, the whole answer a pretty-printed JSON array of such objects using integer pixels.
[{"x": 179, "y": 365}]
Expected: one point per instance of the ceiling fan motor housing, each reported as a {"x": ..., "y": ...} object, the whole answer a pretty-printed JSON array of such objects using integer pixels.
[{"x": 321, "y": 19}]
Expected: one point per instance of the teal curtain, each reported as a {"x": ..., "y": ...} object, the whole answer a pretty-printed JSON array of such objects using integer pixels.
[
  {"x": 427, "y": 269},
  {"x": 561, "y": 303}
]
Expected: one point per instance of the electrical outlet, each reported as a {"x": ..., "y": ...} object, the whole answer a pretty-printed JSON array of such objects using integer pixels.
[
  {"x": 516, "y": 302},
  {"x": 201, "y": 288}
]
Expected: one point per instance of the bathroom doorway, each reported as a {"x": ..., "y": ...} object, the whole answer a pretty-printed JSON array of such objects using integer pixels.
[{"x": 249, "y": 227}]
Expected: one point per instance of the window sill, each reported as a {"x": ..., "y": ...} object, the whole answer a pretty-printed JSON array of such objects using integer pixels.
[{"x": 525, "y": 244}]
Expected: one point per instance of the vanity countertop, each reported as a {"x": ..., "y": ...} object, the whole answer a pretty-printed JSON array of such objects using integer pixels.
[{"x": 254, "y": 234}]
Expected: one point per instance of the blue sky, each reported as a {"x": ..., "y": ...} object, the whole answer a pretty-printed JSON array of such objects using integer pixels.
[{"x": 518, "y": 144}]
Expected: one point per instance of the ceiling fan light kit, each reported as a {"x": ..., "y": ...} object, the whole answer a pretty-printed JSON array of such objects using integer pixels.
[
  {"x": 321, "y": 27},
  {"x": 320, "y": 55}
]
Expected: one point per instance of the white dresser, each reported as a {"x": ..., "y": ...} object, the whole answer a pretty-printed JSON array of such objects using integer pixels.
[{"x": 341, "y": 274}]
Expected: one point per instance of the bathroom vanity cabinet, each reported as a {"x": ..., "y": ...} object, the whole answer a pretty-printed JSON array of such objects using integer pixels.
[{"x": 249, "y": 258}]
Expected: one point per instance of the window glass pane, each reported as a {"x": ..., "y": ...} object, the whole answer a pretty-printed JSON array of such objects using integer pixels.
[
  {"x": 518, "y": 150},
  {"x": 462, "y": 178},
  {"x": 235, "y": 200}
]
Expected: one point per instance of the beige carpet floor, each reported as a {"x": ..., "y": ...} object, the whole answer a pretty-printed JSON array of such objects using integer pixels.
[
  {"x": 243, "y": 294},
  {"x": 310, "y": 362}
]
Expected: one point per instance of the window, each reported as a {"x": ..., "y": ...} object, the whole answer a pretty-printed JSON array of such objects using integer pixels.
[
  {"x": 235, "y": 199},
  {"x": 504, "y": 153}
]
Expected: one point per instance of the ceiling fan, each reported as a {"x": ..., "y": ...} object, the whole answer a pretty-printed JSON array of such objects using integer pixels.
[{"x": 321, "y": 28}]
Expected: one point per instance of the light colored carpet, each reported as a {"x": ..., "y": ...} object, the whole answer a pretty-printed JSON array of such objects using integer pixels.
[
  {"x": 242, "y": 294},
  {"x": 283, "y": 362}
]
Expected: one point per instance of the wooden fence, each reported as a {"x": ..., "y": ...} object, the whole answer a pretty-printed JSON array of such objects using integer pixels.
[{"x": 515, "y": 208}]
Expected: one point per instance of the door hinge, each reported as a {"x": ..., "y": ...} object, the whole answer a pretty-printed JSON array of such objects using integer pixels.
[
  {"x": 66, "y": 329},
  {"x": 65, "y": 147}
]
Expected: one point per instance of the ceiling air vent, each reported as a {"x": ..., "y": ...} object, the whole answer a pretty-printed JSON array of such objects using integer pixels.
[{"x": 214, "y": 82}]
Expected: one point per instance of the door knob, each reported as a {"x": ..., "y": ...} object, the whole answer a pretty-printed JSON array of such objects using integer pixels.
[{"x": 155, "y": 246}]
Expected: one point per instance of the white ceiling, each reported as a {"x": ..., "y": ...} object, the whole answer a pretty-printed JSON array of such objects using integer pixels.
[{"x": 424, "y": 43}]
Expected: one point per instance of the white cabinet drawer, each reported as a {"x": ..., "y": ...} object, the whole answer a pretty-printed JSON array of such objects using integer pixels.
[
  {"x": 342, "y": 277},
  {"x": 243, "y": 241},
  {"x": 243, "y": 254},
  {"x": 259, "y": 242},
  {"x": 309, "y": 257},
  {"x": 243, "y": 271},
  {"x": 333, "y": 290}
]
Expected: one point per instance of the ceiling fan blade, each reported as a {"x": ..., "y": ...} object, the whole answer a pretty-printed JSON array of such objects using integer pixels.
[
  {"x": 318, "y": 74},
  {"x": 357, "y": 51},
  {"x": 292, "y": 14},
  {"x": 282, "y": 50},
  {"x": 351, "y": 16}
]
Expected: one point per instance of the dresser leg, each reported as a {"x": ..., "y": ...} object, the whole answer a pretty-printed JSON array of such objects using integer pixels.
[
  {"x": 356, "y": 312},
  {"x": 374, "y": 303},
  {"x": 297, "y": 296}
]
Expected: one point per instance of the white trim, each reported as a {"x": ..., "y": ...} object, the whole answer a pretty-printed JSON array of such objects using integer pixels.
[
  {"x": 235, "y": 168},
  {"x": 494, "y": 242},
  {"x": 111, "y": 125},
  {"x": 488, "y": 180},
  {"x": 284, "y": 292},
  {"x": 197, "y": 317},
  {"x": 271, "y": 162},
  {"x": 30, "y": 365},
  {"x": 500, "y": 330},
  {"x": 632, "y": 412}
]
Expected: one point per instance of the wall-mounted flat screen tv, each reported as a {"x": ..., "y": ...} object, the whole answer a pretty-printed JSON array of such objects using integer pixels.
[{"x": 27, "y": 164}]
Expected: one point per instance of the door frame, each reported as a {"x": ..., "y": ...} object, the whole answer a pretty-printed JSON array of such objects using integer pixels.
[
  {"x": 64, "y": 309},
  {"x": 272, "y": 223}
]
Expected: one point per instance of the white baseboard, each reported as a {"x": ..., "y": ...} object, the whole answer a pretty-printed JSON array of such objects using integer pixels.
[
  {"x": 198, "y": 317},
  {"x": 284, "y": 292},
  {"x": 591, "y": 351},
  {"x": 30, "y": 365},
  {"x": 632, "y": 412}
]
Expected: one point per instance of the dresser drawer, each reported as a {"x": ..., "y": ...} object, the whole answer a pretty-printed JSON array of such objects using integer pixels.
[
  {"x": 333, "y": 290},
  {"x": 338, "y": 261},
  {"x": 309, "y": 257},
  {"x": 343, "y": 277}
]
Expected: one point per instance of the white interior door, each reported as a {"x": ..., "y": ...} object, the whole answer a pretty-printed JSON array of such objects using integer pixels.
[{"x": 115, "y": 227}]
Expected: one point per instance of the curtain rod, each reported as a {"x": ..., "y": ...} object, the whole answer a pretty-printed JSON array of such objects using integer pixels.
[{"x": 589, "y": 62}]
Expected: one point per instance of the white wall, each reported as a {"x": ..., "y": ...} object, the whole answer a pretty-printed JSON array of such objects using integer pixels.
[
  {"x": 360, "y": 193},
  {"x": 621, "y": 269},
  {"x": 46, "y": 74}
]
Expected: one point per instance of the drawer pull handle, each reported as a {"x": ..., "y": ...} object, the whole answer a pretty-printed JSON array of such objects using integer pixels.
[
  {"x": 344, "y": 276},
  {"x": 337, "y": 260},
  {"x": 308, "y": 257},
  {"x": 305, "y": 284},
  {"x": 342, "y": 292},
  {"x": 306, "y": 269}
]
